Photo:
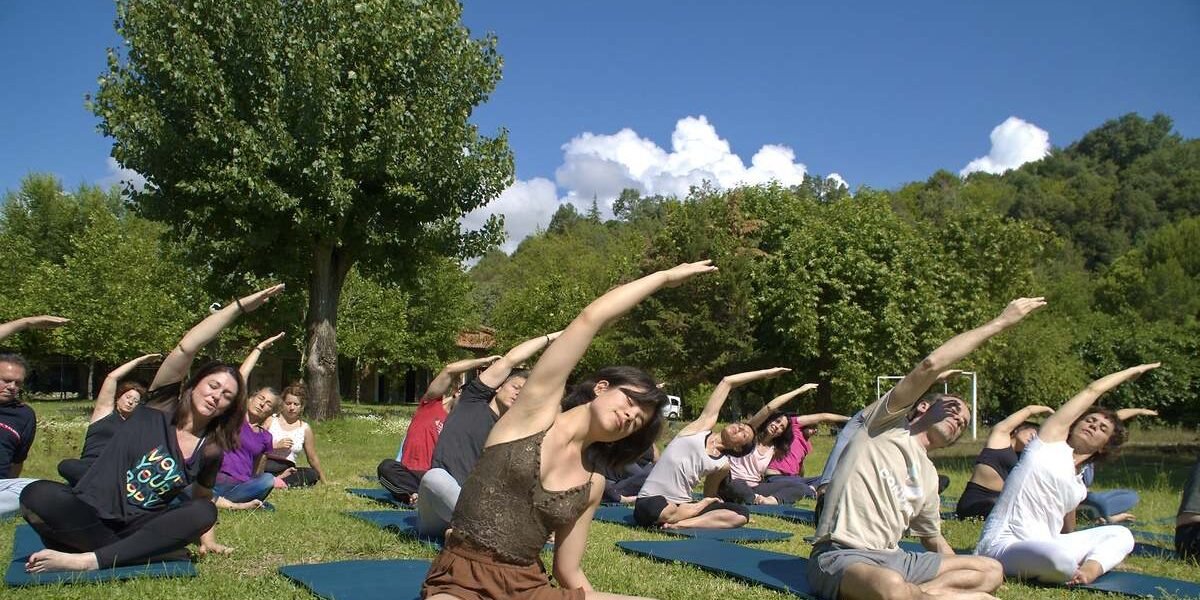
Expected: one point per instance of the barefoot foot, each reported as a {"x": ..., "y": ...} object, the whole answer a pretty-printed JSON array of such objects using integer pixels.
[{"x": 44, "y": 561}]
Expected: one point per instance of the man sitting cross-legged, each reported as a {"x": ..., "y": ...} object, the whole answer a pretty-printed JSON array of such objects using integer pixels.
[
  {"x": 885, "y": 484},
  {"x": 696, "y": 453}
]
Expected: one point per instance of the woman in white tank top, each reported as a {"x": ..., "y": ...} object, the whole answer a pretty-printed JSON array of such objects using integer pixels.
[{"x": 293, "y": 436}]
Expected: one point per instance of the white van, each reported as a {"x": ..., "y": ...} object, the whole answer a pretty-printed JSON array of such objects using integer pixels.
[{"x": 673, "y": 408}]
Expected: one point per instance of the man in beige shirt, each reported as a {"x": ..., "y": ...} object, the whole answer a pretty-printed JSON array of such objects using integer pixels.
[{"x": 885, "y": 484}]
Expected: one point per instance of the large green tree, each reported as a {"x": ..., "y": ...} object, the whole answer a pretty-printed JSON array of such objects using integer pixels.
[{"x": 296, "y": 139}]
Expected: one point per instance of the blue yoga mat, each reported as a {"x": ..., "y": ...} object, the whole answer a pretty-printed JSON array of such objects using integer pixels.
[
  {"x": 1120, "y": 582},
  {"x": 1166, "y": 538},
  {"x": 378, "y": 495},
  {"x": 403, "y": 522},
  {"x": 26, "y": 542},
  {"x": 361, "y": 579},
  {"x": 622, "y": 515},
  {"x": 786, "y": 512},
  {"x": 782, "y": 572}
]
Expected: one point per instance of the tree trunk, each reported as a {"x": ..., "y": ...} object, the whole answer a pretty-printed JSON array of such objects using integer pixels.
[
  {"x": 330, "y": 266},
  {"x": 91, "y": 378},
  {"x": 358, "y": 377}
]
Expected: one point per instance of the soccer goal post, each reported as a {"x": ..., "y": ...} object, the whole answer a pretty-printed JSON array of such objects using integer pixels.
[{"x": 880, "y": 379}]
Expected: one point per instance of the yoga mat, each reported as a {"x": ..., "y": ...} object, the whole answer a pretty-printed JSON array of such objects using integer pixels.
[
  {"x": 786, "y": 512},
  {"x": 378, "y": 495},
  {"x": 622, "y": 515},
  {"x": 361, "y": 579},
  {"x": 1167, "y": 538},
  {"x": 1144, "y": 586},
  {"x": 402, "y": 522},
  {"x": 781, "y": 572},
  {"x": 26, "y": 542}
]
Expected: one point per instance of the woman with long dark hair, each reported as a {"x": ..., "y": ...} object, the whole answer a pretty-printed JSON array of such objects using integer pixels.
[
  {"x": 128, "y": 508},
  {"x": 538, "y": 473},
  {"x": 746, "y": 483}
]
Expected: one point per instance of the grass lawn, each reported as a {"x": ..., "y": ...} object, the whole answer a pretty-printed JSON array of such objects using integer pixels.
[{"x": 310, "y": 527}]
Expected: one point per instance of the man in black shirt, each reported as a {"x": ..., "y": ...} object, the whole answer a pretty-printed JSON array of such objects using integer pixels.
[
  {"x": 480, "y": 405},
  {"x": 18, "y": 425}
]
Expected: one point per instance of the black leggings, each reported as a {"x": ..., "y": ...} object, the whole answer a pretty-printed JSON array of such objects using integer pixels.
[
  {"x": 976, "y": 501},
  {"x": 301, "y": 477},
  {"x": 785, "y": 490},
  {"x": 68, "y": 524}
]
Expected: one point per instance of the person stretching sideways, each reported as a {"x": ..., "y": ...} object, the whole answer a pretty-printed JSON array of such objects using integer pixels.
[
  {"x": 698, "y": 453},
  {"x": 402, "y": 476},
  {"x": 124, "y": 510},
  {"x": 1000, "y": 454},
  {"x": 482, "y": 402},
  {"x": 535, "y": 477},
  {"x": 18, "y": 424},
  {"x": 774, "y": 438},
  {"x": 1024, "y": 529},
  {"x": 114, "y": 403},
  {"x": 885, "y": 485}
]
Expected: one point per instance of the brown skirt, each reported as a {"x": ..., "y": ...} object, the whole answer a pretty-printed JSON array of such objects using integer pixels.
[{"x": 468, "y": 573}]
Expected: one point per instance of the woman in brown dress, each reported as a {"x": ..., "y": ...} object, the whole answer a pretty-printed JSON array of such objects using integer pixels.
[{"x": 540, "y": 471}]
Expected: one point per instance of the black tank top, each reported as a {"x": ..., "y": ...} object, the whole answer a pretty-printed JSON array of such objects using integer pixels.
[{"x": 1002, "y": 460}]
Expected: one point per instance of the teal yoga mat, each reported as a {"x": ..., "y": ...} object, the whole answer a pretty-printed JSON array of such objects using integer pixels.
[
  {"x": 361, "y": 579},
  {"x": 781, "y": 572},
  {"x": 402, "y": 522},
  {"x": 26, "y": 542},
  {"x": 379, "y": 495},
  {"x": 622, "y": 515}
]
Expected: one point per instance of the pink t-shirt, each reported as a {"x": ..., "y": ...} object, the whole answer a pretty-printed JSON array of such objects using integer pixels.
[
  {"x": 750, "y": 468},
  {"x": 793, "y": 462}
]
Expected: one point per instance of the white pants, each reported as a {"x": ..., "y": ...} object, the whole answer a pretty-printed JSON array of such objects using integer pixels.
[
  {"x": 435, "y": 502},
  {"x": 1056, "y": 560},
  {"x": 10, "y": 495}
]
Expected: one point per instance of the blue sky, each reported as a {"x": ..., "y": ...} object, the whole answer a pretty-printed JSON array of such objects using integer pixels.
[{"x": 880, "y": 93}]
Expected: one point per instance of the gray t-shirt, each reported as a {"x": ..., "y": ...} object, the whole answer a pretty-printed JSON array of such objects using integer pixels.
[
  {"x": 682, "y": 465},
  {"x": 883, "y": 485}
]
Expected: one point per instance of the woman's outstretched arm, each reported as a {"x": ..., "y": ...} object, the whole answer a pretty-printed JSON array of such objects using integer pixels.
[
  {"x": 712, "y": 410},
  {"x": 106, "y": 399},
  {"x": 440, "y": 385},
  {"x": 538, "y": 403},
  {"x": 252, "y": 359},
  {"x": 175, "y": 366},
  {"x": 38, "y": 322},
  {"x": 1000, "y": 436},
  {"x": 777, "y": 403},
  {"x": 1056, "y": 428}
]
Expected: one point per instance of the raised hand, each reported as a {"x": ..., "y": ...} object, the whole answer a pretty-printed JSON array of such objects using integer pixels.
[
  {"x": 44, "y": 322},
  {"x": 145, "y": 358},
  {"x": 808, "y": 387},
  {"x": 683, "y": 272},
  {"x": 263, "y": 345},
  {"x": 257, "y": 299},
  {"x": 1038, "y": 409},
  {"x": 1019, "y": 309},
  {"x": 748, "y": 376},
  {"x": 948, "y": 374}
]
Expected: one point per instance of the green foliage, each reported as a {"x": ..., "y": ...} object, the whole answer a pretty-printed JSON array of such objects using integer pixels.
[
  {"x": 393, "y": 327},
  {"x": 293, "y": 140},
  {"x": 80, "y": 256},
  {"x": 1158, "y": 280}
]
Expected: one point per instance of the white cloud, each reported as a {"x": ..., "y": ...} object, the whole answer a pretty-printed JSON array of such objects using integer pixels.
[
  {"x": 599, "y": 166},
  {"x": 118, "y": 175},
  {"x": 837, "y": 179},
  {"x": 1014, "y": 143},
  {"x": 526, "y": 205}
]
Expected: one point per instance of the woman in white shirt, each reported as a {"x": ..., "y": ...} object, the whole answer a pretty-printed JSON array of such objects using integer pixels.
[
  {"x": 293, "y": 436},
  {"x": 1024, "y": 530}
]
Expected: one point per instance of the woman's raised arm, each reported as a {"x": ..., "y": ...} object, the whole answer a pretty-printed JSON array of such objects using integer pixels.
[
  {"x": 1056, "y": 428},
  {"x": 106, "y": 399}
]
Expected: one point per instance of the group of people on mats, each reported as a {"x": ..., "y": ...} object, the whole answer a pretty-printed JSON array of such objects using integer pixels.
[{"x": 514, "y": 458}]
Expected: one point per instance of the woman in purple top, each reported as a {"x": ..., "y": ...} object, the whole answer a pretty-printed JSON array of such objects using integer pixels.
[{"x": 242, "y": 482}]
